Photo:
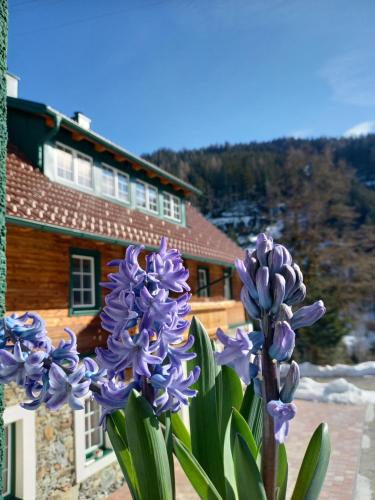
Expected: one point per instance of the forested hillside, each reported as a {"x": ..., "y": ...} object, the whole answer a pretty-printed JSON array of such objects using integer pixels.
[{"x": 316, "y": 196}]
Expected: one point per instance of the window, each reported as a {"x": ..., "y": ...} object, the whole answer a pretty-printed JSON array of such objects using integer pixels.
[
  {"x": 108, "y": 181},
  {"x": 74, "y": 167},
  {"x": 203, "y": 283},
  {"x": 19, "y": 472},
  {"x": 65, "y": 164},
  {"x": 115, "y": 184},
  {"x": 228, "y": 284},
  {"x": 93, "y": 450},
  {"x": 84, "y": 171},
  {"x": 171, "y": 207},
  {"x": 94, "y": 434},
  {"x": 9, "y": 462},
  {"x": 123, "y": 186},
  {"x": 146, "y": 196},
  {"x": 84, "y": 291}
]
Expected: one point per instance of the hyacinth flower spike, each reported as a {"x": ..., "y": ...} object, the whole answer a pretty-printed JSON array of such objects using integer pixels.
[{"x": 272, "y": 285}]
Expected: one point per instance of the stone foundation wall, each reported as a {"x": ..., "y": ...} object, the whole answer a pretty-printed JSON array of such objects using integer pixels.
[{"x": 55, "y": 457}]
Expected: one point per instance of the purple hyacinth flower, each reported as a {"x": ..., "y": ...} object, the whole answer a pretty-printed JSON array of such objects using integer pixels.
[
  {"x": 308, "y": 315},
  {"x": 130, "y": 275},
  {"x": 281, "y": 413},
  {"x": 125, "y": 351},
  {"x": 29, "y": 328},
  {"x": 66, "y": 388},
  {"x": 113, "y": 396},
  {"x": 289, "y": 275},
  {"x": 249, "y": 304},
  {"x": 297, "y": 295},
  {"x": 172, "y": 389},
  {"x": 283, "y": 342},
  {"x": 93, "y": 372},
  {"x": 66, "y": 353},
  {"x": 246, "y": 277},
  {"x": 277, "y": 258},
  {"x": 178, "y": 354},
  {"x": 263, "y": 288},
  {"x": 278, "y": 292},
  {"x": 167, "y": 270},
  {"x": 156, "y": 307},
  {"x": 12, "y": 365},
  {"x": 264, "y": 245},
  {"x": 120, "y": 312},
  {"x": 237, "y": 351},
  {"x": 290, "y": 383}
]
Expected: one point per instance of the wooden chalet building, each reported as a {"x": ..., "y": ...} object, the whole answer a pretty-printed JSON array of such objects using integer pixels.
[{"x": 75, "y": 201}]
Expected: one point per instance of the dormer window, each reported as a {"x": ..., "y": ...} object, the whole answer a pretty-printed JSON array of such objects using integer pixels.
[
  {"x": 74, "y": 167},
  {"x": 171, "y": 207},
  {"x": 146, "y": 196}
]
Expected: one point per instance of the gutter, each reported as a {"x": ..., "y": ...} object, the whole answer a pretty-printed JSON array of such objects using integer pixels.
[{"x": 52, "y": 228}]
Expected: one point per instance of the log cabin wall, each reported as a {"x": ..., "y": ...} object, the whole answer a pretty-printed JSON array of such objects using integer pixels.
[{"x": 39, "y": 280}]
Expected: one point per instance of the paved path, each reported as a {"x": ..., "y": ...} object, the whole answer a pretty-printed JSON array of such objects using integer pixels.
[{"x": 346, "y": 427}]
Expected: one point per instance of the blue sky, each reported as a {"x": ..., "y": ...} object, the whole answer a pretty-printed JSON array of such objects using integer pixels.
[{"x": 190, "y": 73}]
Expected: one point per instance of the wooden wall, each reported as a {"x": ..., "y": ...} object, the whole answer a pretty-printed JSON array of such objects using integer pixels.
[{"x": 38, "y": 280}]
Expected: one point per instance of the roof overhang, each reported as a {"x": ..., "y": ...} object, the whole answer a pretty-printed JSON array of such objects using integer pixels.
[{"x": 101, "y": 144}]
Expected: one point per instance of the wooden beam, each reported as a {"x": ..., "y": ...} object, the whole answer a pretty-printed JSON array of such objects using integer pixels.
[
  {"x": 136, "y": 166},
  {"x": 100, "y": 148},
  {"x": 50, "y": 122},
  {"x": 120, "y": 158},
  {"x": 165, "y": 181},
  {"x": 77, "y": 136}
]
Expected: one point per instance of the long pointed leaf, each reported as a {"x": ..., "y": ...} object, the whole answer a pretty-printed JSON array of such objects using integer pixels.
[
  {"x": 117, "y": 436},
  {"x": 195, "y": 473},
  {"x": 230, "y": 476},
  {"x": 232, "y": 395},
  {"x": 204, "y": 421},
  {"x": 282, "y": 473},
  {"x": 249, "y": 481},
  {"x": 247, "y": 402},
  {"x": 180, "y": 430},
  {"x": 314, "y": 466},
  {"x": 241, "y": 427},
  {"x": 148, "y": 450},
  {"x": 168, "y": 436}
]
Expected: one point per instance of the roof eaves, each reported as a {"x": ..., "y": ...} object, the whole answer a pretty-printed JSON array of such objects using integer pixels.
[{"x": 39, "y": 108}]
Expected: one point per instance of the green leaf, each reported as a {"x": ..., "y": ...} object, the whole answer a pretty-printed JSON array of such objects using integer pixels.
[
  {"x": 148, "y": 450},
  {"x": 314, "y": 466},
  {"x": 194, "y": 472},
  {"x": 117, "y": 435},
  {"x": 247, "y": 402},
  {"x": 169, "y": 444},
  {"x": 204, "y": 420},
  {"x": 230, "y": 477},
  {"x": 282, "y": 473},
  {"x": 241, "y": 427},
  {"x": 249, "y": 481},
  {"x": 252, "y": 412},
  {"x": 179, "y": 430},
  {"x": 232, "y": 395}
]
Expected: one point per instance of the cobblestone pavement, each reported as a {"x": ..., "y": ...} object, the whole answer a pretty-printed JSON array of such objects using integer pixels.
[{"x": 346, "y": 424}]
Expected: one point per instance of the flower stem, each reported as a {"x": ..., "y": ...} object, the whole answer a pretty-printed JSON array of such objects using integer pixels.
[{"x": 270, "y": 392}]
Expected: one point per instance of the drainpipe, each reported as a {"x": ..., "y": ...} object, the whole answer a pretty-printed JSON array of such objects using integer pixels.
[
  {"x": 3, "y": 156},
  {"x": 49, "y": 136}
]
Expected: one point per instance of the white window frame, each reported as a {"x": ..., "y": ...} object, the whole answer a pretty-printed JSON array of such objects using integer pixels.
[
  {"x": 75, "y": 155},
  {"x": 228, "y": 294},
  {"x": 147, "y": 188},
  {"x": 83, "y": 468},
  {"x": 174, "y": 200},
  {"x": 116, "y": 173},
  {"x": 25, "y": 451},
  {"x": 81, "y": 289}
]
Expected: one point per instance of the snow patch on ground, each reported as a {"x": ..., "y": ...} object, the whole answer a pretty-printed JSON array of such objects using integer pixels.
[
  {"x": 336, "y": 391},
  {"x": 360, "y": 370}
]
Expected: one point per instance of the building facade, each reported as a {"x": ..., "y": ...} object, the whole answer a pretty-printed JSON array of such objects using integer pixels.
[{"x": 75, "y": 201}]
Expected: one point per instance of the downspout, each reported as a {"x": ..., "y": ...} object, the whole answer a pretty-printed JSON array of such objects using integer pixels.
[
  {"x": 3, "y": 156},
  {"x": 48, "y": 137}
]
